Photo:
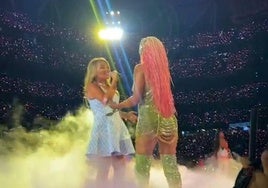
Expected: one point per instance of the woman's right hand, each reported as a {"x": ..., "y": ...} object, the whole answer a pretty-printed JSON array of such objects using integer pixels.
[{"x": 114, "y": 76}]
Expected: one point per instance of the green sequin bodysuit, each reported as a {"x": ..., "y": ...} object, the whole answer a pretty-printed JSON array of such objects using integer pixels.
[{"x": 151, "y": 123}]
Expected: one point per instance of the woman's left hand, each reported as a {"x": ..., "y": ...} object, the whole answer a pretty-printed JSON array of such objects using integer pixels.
[{"x": 113, "y": 105}]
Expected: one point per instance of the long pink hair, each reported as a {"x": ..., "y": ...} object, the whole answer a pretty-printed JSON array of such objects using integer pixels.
[{"x": 156, "y": 70}]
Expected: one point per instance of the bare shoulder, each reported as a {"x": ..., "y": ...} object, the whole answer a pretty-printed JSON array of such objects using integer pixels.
[
  {"x": 92, "y": 86},
  {"x": 92, "y": 90},
  {"x": 138, "y": 68}
]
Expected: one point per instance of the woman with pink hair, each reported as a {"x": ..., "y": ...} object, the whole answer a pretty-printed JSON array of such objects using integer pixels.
[{"x": 156, "y": 112}]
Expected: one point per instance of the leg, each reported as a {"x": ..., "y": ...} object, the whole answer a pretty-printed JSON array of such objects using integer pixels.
[
  {"x": 169, "y": 162},
  {"x": 103, "y": 167},
  {"x": 144, "y": 150},
  {"x": 119, "y": 167}
]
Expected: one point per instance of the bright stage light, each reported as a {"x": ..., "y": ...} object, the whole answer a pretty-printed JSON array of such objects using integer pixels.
[{"x": 112, "y": 33}]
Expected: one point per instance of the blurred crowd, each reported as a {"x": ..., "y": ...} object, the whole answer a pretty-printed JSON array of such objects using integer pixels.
[
  {"x": 199, "y": 145},
  {"x": 39, "y": 89},
  {"x": 22, "y": 22},
  {"x": 220, "y": 95},
  {"x": 220, "y": 38},
  {"x": 214, "y": 64},
  {"x": 60, "y": 95},
  {"x": 25, "y": 42}
]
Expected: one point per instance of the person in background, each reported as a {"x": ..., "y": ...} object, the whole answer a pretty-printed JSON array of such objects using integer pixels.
[
  {"x": 222, "y": 152},
  {"x": 253, "y": 174},
  {"x": 110, "y": 141},
  {"x": 157, "y": 122}
]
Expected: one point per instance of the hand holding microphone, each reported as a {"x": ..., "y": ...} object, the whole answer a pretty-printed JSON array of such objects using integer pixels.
[{"x": 114, "y": 75}]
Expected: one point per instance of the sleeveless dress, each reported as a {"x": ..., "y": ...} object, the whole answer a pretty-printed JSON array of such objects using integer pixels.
[
  {"x": 151, "y": 123},
  {"x": 109, "y": 134}
]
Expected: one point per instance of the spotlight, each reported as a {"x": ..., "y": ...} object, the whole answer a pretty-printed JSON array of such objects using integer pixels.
[{"x": 112, "y": 33}]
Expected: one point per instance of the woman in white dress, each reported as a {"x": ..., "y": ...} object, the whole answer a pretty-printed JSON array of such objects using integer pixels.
[{"x": 110, "y": 141}]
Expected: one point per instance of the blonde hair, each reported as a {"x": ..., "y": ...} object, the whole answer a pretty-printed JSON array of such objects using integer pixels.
[
  {"x": 91, "y": 71},
  {"x": 156, "y": 71}
]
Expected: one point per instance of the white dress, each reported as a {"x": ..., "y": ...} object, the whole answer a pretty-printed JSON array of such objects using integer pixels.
[{"x": 109, "y": 135}]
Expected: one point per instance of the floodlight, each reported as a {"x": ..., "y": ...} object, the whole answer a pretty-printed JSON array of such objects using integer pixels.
[{"x": 112, "y": 33}]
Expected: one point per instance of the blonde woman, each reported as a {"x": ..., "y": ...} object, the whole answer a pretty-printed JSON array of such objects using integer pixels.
[
  {"x": 156, "y": 112},
  {"x": 110, "y": 140}
]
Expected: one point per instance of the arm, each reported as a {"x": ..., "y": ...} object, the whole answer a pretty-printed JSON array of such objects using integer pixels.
[
  {"x": 139, "y": 84},
  {"x": 108, "y": 96}
]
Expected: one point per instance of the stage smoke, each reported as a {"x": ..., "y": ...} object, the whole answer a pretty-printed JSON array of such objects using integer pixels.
[{"x": 55, "y": 157}]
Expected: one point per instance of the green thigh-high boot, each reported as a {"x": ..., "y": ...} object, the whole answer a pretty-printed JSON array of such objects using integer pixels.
[
  {"x": 171, "y": 171},
  {"x": 143, "y": 165}
]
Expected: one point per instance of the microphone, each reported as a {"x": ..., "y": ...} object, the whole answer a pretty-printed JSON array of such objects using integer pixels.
[
  {"x": 114, "y": 71},
  {"x": 114, "y": 74}
]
